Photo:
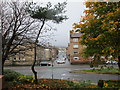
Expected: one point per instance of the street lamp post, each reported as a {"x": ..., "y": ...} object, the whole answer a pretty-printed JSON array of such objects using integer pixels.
[
  {"x": 52, "y": 68},
  {"x": 51, "y": 58}
]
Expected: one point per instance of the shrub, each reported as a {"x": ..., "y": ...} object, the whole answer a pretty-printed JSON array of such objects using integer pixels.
[
  {"x": 101, "y": 83},
  {"x": 10, "y": 75},
  {"x": 93, "y": 65},
  {"x": 70, "y": 83},
  {"x": 26, "y": 79},
  {"x": 54, "y": 83},
  {"x": 112, "y": 83},
  {"x": 81, "y": 84}
]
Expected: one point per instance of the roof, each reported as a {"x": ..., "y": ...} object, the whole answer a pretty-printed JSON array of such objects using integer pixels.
[{"x": 75, "y": 35}]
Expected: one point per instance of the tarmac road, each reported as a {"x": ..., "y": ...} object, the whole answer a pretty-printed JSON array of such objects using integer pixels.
[{"x": 61, "y": 71}]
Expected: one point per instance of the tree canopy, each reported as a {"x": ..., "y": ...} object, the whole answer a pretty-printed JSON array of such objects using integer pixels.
[
  {"x": 100, "y": 28},
  {"x": 44, "y": 14},
  {"x": 49, "y": 12}
]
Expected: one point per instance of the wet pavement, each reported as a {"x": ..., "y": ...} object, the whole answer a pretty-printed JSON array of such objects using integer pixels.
[{"x": 61, "y": 71}]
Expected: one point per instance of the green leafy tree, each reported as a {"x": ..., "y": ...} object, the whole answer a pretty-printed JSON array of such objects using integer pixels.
[
  {"x": 101, "y": 29},
  {"x": 47, "y": 13}
]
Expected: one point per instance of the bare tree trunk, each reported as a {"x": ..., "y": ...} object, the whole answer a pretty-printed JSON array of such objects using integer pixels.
[
  {"x": 35, "y": 73},
  {"x": 35, "y": 53}
]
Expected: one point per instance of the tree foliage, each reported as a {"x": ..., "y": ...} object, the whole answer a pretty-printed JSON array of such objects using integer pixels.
[
  {"x": 49, "y": 12},
  {"x": 100, "y": 28},
  {"x": 44, "y": 14}
]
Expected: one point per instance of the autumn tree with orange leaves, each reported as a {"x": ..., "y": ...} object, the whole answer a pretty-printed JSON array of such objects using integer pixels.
[{"x": 100, "y": 28}]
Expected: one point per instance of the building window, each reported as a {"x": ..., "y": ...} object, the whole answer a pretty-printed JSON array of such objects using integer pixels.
[
  {"x": 75, "y": 46},
  {"x": 14, "y": 59},
  {"x": 76, "y": 58},
  {"x": 23, "y": 59},
  {"x": 75, "y": 39},
  {"x": 19, "y": 58},
  {"x": 75, "y": 52}
]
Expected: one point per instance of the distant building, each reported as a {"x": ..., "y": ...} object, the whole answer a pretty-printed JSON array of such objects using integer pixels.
[
  {"x": 54, "y": 52},
  {"x": 47, "y": 54},
  {"x": 74, "y": 49},
  {"x": 26, "y": 56},
  {"x": 51, "y": 53}
]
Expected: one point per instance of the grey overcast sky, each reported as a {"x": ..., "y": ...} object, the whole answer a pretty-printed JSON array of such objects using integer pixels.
[{"x": 74, "y": 12}]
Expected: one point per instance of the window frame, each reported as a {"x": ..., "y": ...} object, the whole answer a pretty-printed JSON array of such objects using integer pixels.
[
  {"x": 75, "y": 46},
  {"x": 75, "y": 39},
  {"x": 76, "y": 57}
]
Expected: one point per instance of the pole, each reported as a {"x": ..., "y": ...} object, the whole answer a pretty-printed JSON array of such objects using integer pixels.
[
  {"x": 51, "y": 60},
  {"x": 0, "y": 54},
  {"x": 52, "y": 69}
]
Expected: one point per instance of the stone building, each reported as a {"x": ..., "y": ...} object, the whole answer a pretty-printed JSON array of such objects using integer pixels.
[{"x": 26, "y": 56}]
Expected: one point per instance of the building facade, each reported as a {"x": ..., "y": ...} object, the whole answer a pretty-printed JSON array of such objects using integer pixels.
[
  {"x": 74, "y": 49},
  {"x": 26, "y": 56}
]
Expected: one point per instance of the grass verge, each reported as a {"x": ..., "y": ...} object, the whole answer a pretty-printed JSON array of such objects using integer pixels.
[{"x": 99, "y": 71}]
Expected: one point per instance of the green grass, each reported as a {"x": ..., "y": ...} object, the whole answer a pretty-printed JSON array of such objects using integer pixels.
[{"x": 100, "y": 71}]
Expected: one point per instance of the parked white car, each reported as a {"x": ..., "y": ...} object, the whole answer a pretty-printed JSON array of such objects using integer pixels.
[
  {"x": 60, "y": 61},
  {"x": 108, "y": 62},
  {"x": 114, "y": 62}
]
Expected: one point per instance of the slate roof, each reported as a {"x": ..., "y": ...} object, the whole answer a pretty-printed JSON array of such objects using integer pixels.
[{"x": 75, "y": 35}]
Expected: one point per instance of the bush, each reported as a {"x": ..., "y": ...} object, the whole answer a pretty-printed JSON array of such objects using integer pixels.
[
  {"x": 81, "y": 84},
  {"x": 101, "y": 83},
  {"x": 111, "y": 83},
  {"x": 11, "y": 75},
  {"x": 26, "y": 79},
  {"x": 93, "y": 65},
  {"x": 70, "y": 83},
  {"x": 54, "y": 83}
]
